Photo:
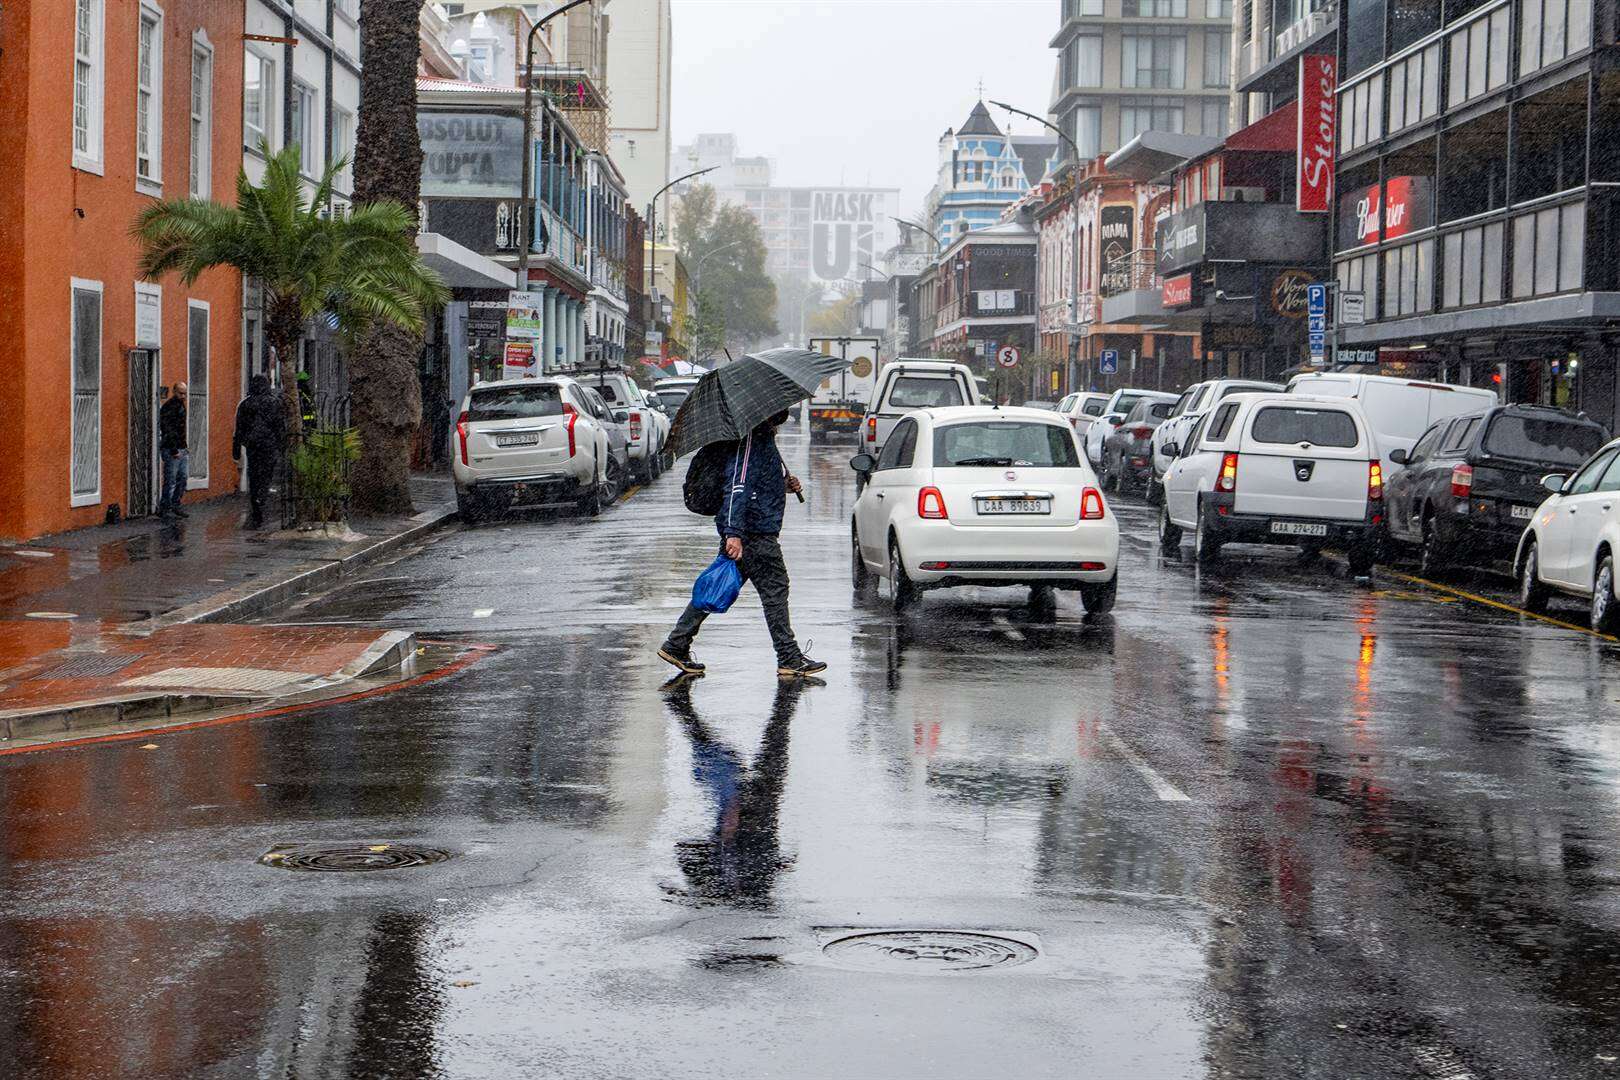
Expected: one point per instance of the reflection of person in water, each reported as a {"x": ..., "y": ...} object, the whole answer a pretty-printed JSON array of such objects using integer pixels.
[{"x": 740, "y": 859}]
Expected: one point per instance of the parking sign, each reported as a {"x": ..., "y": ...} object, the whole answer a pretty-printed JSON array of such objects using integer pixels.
[
  {"x": 1108, "y": 362},
  {"x": 1316, "y": 321}
]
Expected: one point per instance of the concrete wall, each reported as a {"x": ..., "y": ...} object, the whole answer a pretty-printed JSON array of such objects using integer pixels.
[{"x": 638, "y": 78}]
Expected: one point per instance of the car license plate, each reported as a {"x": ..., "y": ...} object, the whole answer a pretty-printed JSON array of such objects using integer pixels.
[
  {"x": 524, "y": 438},
  {"x": 1523, "y": 513},
  {"x": 1298, "y": 528},
  {"x": 1015, "y": 506}
]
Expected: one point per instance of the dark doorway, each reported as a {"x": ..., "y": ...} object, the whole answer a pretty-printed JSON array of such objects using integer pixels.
[{"x": 143, "y": 390}]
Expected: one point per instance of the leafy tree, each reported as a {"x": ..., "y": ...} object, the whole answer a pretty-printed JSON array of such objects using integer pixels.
[
  {"x": 722, "y": 249},
  {"x": 360, "y": 267},
  {"x": 796, "y": 297},
  {"x": 840, "y": 317},
  {"x": 708, "y": 326}
]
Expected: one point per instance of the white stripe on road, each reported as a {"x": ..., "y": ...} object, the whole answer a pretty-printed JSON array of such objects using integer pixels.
[
  {"x": 483, "y": 613},
  {"x": 1011, "y": 632},
  {"x": 1164, "y": 789}
]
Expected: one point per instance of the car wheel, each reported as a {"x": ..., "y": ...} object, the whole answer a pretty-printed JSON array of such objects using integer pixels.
[
  {"x": 1169, "y": 531},
  {"x": 1533, "y": 593},
  {"x": 613, "y": 484},
  {"x": 1433, "y": 561},
  {"x": 1361, "y": 559},
  {"x": 467, "y": 507},
  {"x": 1097, "y": 597},
  {"x": 1605, "y": 611},
  {"x": 1206, "y": 546},
  {"x": 1154, "y": 491},
  {"x": 902, "y": 593},
  {"x": 590, "y": 503},
  {"x": 859, "y": 571},
  {"x": 1042, "y": 601}
]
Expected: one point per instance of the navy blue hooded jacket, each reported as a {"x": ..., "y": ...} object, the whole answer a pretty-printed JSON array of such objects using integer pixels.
[{"x": 755, "y": 502}]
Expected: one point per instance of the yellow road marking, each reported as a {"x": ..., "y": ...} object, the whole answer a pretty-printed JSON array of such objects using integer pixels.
[
  {"x": 1497, "y": 604},
  {"x": 629, "y": 492}
]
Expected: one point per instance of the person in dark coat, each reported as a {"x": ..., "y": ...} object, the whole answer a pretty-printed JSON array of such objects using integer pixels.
[
  {"x": 173, "y": 453},
  {"x": 261, "y": 430},
  {"x": 749, "y": 523}
]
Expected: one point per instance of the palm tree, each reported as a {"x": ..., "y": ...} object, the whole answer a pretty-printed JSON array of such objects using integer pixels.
[{"x": 359, "y": 267}]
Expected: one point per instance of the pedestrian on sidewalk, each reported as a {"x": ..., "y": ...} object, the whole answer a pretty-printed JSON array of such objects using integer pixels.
[
  {"x": 173, "y": 452},
  {"x": 261, "y": 429},
  {"x": 749, "y": 523}
]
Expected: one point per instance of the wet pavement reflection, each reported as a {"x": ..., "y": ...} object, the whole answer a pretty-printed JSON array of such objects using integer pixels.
[{"x": 1261, "y": 822}]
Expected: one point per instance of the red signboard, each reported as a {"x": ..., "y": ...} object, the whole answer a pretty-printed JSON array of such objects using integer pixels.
[
  {"x": 1177, "y": 291},
  {"x": 1318, "y": 124},
  {"x": 1369, "y": 215}
]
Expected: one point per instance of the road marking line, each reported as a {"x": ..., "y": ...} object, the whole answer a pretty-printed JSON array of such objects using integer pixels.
[
  {"x": 629, "y": 492},
  {"x": 1011, "y": 632},
  {"x": 483, "y": 613},
  {"x": 1164, "y": 789},
  {"x": 1497, "y": 604}
]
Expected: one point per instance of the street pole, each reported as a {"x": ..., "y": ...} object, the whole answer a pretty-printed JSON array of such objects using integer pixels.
[
  {"x": 652, "y": 221},
  {"x": 524, "y": 227}
]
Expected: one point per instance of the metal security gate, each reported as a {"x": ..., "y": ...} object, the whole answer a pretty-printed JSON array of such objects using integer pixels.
[{"x": 143, "y": 475}]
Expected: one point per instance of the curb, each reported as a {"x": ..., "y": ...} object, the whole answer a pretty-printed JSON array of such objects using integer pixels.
[
  {"x": 257, "y": 598},
  {"x": 110, "y": 712}
]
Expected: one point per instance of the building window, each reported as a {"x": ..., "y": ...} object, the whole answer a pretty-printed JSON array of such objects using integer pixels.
[
  {"x": 87, "y": 84},
  {"x": 85, "y": 335},
  {"x": 1549, "y": 251},
  {"x": 1137, "y": 115},
  {"x": 149, "y": 100},
  {"x": 1216, "y": 118},
  {"x": 1085, "y": 128},
  {"x": 1362, "y": 110},
  {"x": 197, "y": 390},
  {"x": 1472, "y": 266},
  {"x": 1082, "y": 61},
  {"x": 1361, "y": 275},
  {"x": 1218, "y": 9},
  {"x": 1154, "y": 9},
  {"x": 1153, "y": 57},
  {"x": 1550, "y": 30},
  {"x": 258, "y": 101},
  {"x": 1409, "y": 279},
  {"x": 1479, "y": 57},
  {"x": 202, "y": 120},
  {"x": 1217, "y": 58},
  {"x": 1075, "y": 8},
  {"x": 306, "y": 127},
  {"x": 1414, "y": 89}
]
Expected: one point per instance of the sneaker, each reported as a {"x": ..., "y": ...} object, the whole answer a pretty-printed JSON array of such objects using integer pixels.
[
  {"x": 180, "y": 512},
  {"x": 681, "y": 658},
  {"x": 801, "y": 667}
]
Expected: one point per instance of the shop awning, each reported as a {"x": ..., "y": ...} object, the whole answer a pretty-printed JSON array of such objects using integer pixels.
[
  {"x": 1154, "y": 153},
  {"x": 461, "y": 267},
  {"x": 1274, "y": 132}
]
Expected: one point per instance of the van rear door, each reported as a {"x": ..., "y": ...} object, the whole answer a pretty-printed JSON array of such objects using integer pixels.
[{"x": 1303, "y": 461}]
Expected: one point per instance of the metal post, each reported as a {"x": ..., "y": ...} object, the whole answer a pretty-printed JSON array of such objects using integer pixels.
[{"x": 525, "y": 228}]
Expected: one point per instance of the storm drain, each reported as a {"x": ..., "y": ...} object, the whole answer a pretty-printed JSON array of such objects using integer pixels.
[
  {"x": 928, "y": 951},
  {"x": 351, "y": 858},
  {"x": 220, "y": 678},
  {"x": 89, "y": 666}
]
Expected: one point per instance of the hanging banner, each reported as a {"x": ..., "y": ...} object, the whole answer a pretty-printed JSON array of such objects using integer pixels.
[
  {"x": 1316, "y": 137},
  {"x": 520, "y": 360},
  {"x": 524, "y": 319}
]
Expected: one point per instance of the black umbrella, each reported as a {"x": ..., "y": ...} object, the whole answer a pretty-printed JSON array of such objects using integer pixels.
[{"x": 735, "y": 398}]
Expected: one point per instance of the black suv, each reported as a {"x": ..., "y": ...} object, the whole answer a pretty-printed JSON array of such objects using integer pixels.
[{"x": 1471, "y": 483}]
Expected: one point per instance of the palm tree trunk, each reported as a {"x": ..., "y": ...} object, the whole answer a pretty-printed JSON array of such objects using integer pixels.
[
  {"x": 285, "y": 326},
  {"x": 384, "y": 385}
]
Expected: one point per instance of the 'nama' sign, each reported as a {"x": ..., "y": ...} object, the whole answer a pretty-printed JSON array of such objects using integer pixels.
[{"x": 1318, "y": 122}]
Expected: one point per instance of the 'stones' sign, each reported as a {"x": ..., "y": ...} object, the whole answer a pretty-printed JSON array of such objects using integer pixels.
[
  {"x": 1318, "y": 122},
  {"x": 1178, "y": 290}
]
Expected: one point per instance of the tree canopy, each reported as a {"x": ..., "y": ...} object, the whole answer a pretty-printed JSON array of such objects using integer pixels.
[{"x": 723, "y": 251}]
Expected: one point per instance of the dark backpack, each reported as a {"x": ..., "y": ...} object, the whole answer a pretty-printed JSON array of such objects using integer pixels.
[{"x": 708, "y": 478}]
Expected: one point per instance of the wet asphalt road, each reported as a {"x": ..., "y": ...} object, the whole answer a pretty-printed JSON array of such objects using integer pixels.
[{"x": 1262, "y": 822}]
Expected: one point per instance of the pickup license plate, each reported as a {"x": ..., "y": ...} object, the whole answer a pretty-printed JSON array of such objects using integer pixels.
[
  {"x": 1015, "y": 506},
  {"x": 524, "y": 438},
  {"x": 1298, "y": 528},
  {"x": 1523, "y": 513}
]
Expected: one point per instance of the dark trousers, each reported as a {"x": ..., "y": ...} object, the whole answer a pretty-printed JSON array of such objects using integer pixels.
[
  {"x": 175, "y": 473},
  {"x": 762, "y": 566},
  {"x": 261, "y": 470}
]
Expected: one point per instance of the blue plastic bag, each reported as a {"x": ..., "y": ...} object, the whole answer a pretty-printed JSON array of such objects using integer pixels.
[{"x": 717, "y": 587}]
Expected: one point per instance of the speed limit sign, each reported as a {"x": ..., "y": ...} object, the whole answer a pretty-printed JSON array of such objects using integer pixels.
[{"x": 1007, "y": 356}]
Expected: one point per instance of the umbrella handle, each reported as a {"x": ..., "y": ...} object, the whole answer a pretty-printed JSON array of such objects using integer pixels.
[{"x": 800, "y": 494}]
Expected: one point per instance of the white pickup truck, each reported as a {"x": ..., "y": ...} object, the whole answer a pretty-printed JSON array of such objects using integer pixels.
[
  {"x": 904, "y": 385},
  {"x": 648, "y": 428}
]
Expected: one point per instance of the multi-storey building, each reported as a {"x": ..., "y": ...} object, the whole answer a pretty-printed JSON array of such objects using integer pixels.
[
  {"x": 982, "y": 298},
  {"x": 1129, "y": 66},
  {"x": 107, "y": 108},
  {"x": 606, "y": 235},
  {"x": 638, "y": 70},
  {"x": 981, "y": 171}
]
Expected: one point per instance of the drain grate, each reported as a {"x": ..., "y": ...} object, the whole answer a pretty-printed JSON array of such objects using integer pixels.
[
  {"x": 928, "y": 951},
  {"x": 219, "y": 678},
  {"x": 89, "y": 666},
  {"x": 351, "y": 858}
]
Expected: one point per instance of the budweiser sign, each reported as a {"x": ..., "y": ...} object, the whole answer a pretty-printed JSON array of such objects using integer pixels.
[
  {"x": 1177, "y": 291},
  {"x": 1318, "y": 122}
]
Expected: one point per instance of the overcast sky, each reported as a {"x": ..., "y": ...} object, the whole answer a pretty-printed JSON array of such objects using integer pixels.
[{"x": 855, "y": 91}]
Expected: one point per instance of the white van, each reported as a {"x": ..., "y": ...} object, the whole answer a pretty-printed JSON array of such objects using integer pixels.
[
  {"x": 905, "y": 384},
  {"x": 1277, "y": 469},
  {"x": 1400, "y": 410}
]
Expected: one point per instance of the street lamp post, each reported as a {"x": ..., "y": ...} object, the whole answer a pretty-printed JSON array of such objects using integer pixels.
[
  {"x": 697, "y": 272},
  {"x": 925, "y": 230},
  {"x": 525, "y": 240},
  {"x": 652, "y": 219}
]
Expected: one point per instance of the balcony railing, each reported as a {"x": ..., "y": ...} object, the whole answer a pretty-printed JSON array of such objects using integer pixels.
[{"x": 1131, "y": 271}]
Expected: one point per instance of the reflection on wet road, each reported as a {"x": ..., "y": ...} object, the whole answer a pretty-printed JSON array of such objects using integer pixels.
[{"x": 1262, "y": 822}]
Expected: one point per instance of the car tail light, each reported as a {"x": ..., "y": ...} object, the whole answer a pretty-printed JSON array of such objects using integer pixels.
[
  {"x": 1074, "y": 422},
  {"x": 1093, "y": 566},
  {"x": 461, "y": 433},
  {"x": 936, "y": 566},
  {"x": 573, "y": 418},
  {"x": 1091, "y": 505},
  {"x": 1142, "y": 431},
  {"x": 1375, "y": 481},
  {"x": 931, "y": 504},
  {"x": 1462, "y": 481},
  {"x": 871, "y": 429},
  {"x": 635, "y": 427},
  {"x": 1227, "y": 480}
]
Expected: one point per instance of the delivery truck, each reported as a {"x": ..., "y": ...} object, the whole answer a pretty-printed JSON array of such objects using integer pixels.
[{"x": 839, "y": 403}]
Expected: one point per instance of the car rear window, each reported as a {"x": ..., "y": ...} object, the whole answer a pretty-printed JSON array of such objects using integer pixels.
[
  {"x": 993, "y": 443},
  {"x": 1551, "y": 440},
  {"x": 1126, "y": 403},
  {"x": 515, "y": 403},
  {"x": 1161, "y": 410},
  {"x": 609, "y": 392},
  {"x": 924, "y": 392},
  {"x": 1295, "y": 424},
  {"x": 672, "y": 398},
  {"x": 1094, "y": 407}
]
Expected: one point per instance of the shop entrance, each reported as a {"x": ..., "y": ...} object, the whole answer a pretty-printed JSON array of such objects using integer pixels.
[{"x": 143, "y": 410}]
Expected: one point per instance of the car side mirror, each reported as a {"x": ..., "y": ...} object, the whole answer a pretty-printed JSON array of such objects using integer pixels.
[
  {"x": 863, "y": 463},
  {"x": 1172, "y": 450},
  {"x": 1399, "y": 456},
  {"x": 1554, "y": 482},
  {"x": 1114, "y": 419},
  {"x": 621, "y": 416}
]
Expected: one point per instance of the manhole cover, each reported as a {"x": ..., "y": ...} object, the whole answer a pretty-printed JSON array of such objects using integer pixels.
[
  {"x": 90, "y": 666},
  {"x": 351, "y": 858},
  {"x": 928, "y": 950}
]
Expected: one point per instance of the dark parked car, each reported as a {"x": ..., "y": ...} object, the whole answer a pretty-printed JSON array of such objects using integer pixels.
[
  {"x": 1470, "y": 484},
  {"x": 1127, "y": 453}
]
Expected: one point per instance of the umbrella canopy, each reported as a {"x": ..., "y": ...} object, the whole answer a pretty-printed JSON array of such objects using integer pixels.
[
  {"x": 678, "y": 366},
  {"x": 734, "y": 399}
]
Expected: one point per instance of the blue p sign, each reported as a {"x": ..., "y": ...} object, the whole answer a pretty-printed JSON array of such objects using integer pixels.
[{"x": 1108, "y": 362}]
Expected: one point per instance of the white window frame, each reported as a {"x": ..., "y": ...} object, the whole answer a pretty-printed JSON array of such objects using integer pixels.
[
  {"x": 91, "y": 158},
  {"x": 76, "y": 285},
  {"x": 197, "y": 404},
  {"x": 201, "y": 162},
  {"x": 343, "y": 121},
  {"x": 150, "y": 183},
  {"x": 270, "y": 131},
  {"x": 315, "y": 146}
]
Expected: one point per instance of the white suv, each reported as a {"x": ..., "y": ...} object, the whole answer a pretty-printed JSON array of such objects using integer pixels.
[
  {"x": 1278, "y": 469},
  {"x": 646, "y": 426},
  {"x": 1195, "y": 401},
  {"x": 529, "y": 443}
]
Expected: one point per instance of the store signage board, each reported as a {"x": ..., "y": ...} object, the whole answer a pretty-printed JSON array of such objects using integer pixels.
[
  {"x": 524, "y": 319},
  {"x": 521, "y": 362},
  {"x": 1177, "y": 291},
  {"x": 148, "y": 318},
  {"x": 1400, "y": 206},
  {"x": 1317, "y": 133},
  {"x": 1352, "y": 308}
]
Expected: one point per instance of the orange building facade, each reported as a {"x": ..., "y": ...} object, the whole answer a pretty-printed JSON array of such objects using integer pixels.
[{"x": 105, "y": 107}]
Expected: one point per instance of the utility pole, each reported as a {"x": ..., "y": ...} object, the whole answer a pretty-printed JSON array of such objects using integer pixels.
[{"x": 525, "y": 240}]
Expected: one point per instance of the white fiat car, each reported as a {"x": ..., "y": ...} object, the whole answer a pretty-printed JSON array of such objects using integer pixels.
[
  {"x": 984, "y": 495},
  {"x": 1572, "y": 544}
]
